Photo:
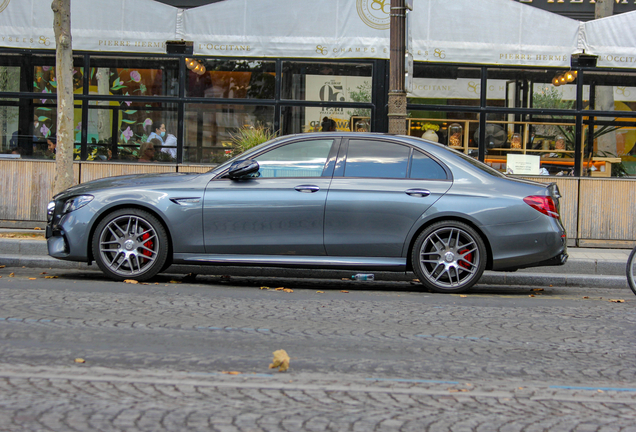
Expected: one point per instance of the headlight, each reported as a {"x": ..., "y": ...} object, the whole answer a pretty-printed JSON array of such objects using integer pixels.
[
  {"x": 50, "y": 209},
  {"x": 75, "y": 203}
]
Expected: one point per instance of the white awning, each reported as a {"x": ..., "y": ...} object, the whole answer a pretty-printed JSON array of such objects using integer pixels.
[
  {"x": 491, "y": 32},
  {"x": 320, "y": 29},
  {"x": 141, "y": 26},
  {"x": 497, "y": 32},
  {"x": 612, "y": 39}
]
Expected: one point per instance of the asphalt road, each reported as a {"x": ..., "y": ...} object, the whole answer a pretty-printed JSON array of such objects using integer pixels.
[{"x": 193, "y": 354}]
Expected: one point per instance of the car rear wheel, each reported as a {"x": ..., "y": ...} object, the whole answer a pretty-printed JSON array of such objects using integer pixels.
[
  {"x": 130, "y": 244},
  {"x": 449, "y": 257}
]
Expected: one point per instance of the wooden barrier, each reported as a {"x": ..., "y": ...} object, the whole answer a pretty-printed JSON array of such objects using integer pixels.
[{"x": 596, "y": 212}]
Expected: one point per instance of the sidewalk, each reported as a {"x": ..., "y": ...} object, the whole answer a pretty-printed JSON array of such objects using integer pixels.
[{"x": 586, "y": 267}]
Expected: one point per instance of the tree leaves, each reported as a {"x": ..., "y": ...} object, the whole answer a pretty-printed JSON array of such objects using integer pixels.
[{"x": 281, "y": 361}]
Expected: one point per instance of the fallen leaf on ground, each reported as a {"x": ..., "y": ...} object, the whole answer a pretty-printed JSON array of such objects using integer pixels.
[
  {"x": 539, "y": 289},
  {"x": 281, "y": 361},
  {"x": 463, "y": 295},
  {"x": 288, "y": 290},
  {"x": 50, "y": 277},
  {"x": 457, "y": 390},
  {"x": 231, "y": 372},
  {"x": 345, "y": 279},
  {"x": 585, "y": 297},
  {"x": 37, "y": 229},
  {"x": 43, "y": 273},
  {"x": 175, "y": 281},
  {"x": 320, "y": 292},
  {"x": 2, "y": 266},
  {"x": 264, "y": 287},
  {"x": 531, "y": 295},
  {"x": 11, "y": 274},
  {"x": 280, "y": 288},
  {"x": 131, "y": 281},
  {"x": 617, "y": 300},
  {"x": 33, "y": 278},
  {"x": 80, "y": 360},
  {"x": 343, "y": 291}
]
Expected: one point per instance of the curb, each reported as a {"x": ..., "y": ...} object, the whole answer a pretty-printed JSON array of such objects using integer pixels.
[{"x": 489, "y": 277}]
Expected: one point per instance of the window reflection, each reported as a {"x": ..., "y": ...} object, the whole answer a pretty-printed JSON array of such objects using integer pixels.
[
  {"x": 376, "y": 159},
  {"x": 232, "y": 79}
]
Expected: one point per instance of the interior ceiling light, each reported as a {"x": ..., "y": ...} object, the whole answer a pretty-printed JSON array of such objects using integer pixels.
[{"x": 564, "y": 78}]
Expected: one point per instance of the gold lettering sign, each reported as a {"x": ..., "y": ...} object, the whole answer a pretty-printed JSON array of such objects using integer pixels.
[
  {"x": 224, "y": 47},
  {"x": 126, "y": 44}
]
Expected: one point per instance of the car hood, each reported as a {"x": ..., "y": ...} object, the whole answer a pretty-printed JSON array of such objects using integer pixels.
[{"x": 136, "y": 180}]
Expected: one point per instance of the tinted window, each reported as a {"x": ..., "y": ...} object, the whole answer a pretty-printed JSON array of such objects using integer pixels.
[
  {"x": 423, "y": 167},
  {"x": 376, "y": 159},
  {"x": 299, "y": 159}
]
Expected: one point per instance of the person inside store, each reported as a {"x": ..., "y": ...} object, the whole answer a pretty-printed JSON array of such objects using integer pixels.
[
  {"x": 147, "y": 150},
  {"x": 51, "y": 143},
  {"x": 328, "y": 125},
  {"x": 158, "y": 131}
]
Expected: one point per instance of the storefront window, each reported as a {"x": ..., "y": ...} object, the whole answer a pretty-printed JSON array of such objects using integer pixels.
[
  {"x": 528, "y": 88},
  {"x": 610, "y": 150},
  {"x": 540, "y": 146},
  {"x": 116, "y": 131},
  {"x": 611, "y": 91},
  {"x": 327, "y": 82},
  {"x": 445, "y": 85},
  {"x": 44, "y": 74},
  {"x": 324, "y": 119},
  {"x": 209, "y": 129},
  {"x": 9, "y": 79},
  {"x": 230, "y": 79},
  {"x": 11, "y": 136},
  {"x": 134, "y": 77},
  {"x": 454, "y": 129}
]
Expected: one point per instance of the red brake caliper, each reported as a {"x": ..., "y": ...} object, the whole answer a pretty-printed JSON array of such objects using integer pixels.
[
  {"x": 149, "y": 244},
  {"x": 468, "y": 258}
]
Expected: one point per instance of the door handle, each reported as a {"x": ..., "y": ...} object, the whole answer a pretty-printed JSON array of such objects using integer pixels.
[
  {"x": 418, "y": 192},
  {"x": 307, "y": 188}
]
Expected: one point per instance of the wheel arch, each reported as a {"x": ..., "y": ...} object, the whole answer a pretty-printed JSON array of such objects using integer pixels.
[
  {"x": 409, "y": 263},
  {"x": 120, "y": 206}
]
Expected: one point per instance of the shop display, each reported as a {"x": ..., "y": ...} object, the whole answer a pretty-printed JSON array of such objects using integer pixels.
[{"x": 455, "y": 135}]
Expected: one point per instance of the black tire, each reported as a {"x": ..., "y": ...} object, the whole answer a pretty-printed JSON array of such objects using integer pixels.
[
  {"x": 449, "y": 257},
  {"x": 130, "y": 244},
  {"x": 631, "y": 269}
]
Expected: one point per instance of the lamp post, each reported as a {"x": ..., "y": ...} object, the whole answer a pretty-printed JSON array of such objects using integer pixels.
[{"x": 397, "y": 94}]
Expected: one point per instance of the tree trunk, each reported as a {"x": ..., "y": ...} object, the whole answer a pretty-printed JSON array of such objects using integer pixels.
[
  {"x": 64, "y": 76},
  {"x": 604, "y": 95}
]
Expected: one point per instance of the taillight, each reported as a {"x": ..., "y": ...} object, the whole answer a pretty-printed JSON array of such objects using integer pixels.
[{"x": 544, "y": 204}]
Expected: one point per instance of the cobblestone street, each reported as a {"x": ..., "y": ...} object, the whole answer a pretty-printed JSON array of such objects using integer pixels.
[{"x": 380, "y": 356}]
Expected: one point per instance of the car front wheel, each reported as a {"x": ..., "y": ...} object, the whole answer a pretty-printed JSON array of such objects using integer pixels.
[
  {"x": 130, "y": 244},
  {"x": 449, "y": 257}
]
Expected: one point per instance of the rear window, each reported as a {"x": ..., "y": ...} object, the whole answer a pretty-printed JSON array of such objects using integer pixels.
[
  {"x": 379, "y": 159},
  {"x": 477, "y": 164}
]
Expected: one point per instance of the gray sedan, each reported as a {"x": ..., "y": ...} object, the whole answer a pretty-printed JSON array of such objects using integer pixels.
[{"x": 367, "y": 202}]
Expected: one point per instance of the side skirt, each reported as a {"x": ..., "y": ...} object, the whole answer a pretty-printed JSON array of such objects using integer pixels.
[{"x": 323, "y": 262}]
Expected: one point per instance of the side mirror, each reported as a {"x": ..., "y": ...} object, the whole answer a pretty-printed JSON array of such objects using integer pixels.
[{"x": 243, "y": 169}]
